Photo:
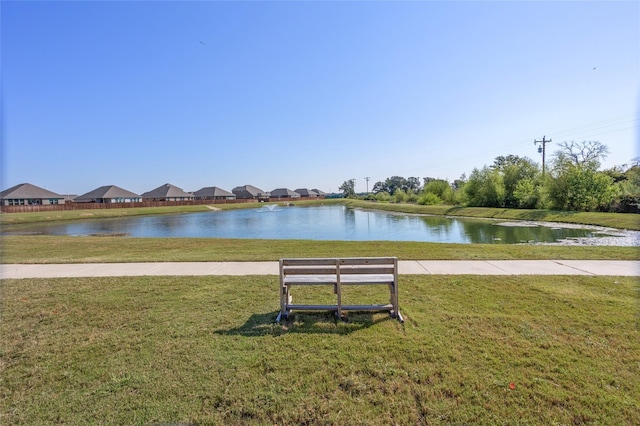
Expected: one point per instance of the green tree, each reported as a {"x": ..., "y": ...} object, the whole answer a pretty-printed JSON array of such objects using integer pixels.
[
  {"x": 400, "y": 196},
  {"x": 394, "y": 183},
  {"x": 576, "y": 183},
  {"x": 459, "y": 183},
  {"x": 429, "y": 198},
  {"x": 383, "y": 197},
  {"x": 441, "y": 189},
  {"x": 527, "y": 193},
  {"x": 515, "y": 169},
  {"x": 348, "y": 188},
  {"x": 627, "y": 183},
  {"x": 580, "y": 187},
  {"x": 413, "y": 184},
  {"x": 485, "y": 188}
]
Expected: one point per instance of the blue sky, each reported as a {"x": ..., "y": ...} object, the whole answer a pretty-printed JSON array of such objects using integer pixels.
[{"x": 306, "y": 94}]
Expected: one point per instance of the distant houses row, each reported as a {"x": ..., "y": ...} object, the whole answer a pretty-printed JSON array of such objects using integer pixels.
[{"x": 28, "y": 194}]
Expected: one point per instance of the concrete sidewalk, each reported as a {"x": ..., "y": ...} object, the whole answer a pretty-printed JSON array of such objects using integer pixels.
[{"x": 406, "y": 267}]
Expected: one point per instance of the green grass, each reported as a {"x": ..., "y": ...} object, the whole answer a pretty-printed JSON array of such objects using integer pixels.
[
  {"x": 66, "y": 215},
  {"x": 61, "y": 249},
  {"x": 204, "y": 350},
  {"x": 613, "y": 220}
]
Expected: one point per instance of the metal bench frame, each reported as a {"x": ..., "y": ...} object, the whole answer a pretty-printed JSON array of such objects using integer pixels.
[{"x": 338, "y": 272}]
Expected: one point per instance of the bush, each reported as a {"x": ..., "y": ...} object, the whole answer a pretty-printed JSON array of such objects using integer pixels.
[
  {"x": 429, "y": 199},
  {"x": 485, "y": 188},
  {"x": 399, "y": 196},
  {"x": 383, "y": 197},
  {"x": 526, "y": 193},
  {"x": 441, "y": 188}
]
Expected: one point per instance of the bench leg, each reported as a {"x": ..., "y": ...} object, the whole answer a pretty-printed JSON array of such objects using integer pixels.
[
  {"x": 285, "y": 301},
  {"x": 393, "y": 299}
]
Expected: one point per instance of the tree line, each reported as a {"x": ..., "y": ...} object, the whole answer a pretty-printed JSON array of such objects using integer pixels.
[{"x": 573, "y": 180}]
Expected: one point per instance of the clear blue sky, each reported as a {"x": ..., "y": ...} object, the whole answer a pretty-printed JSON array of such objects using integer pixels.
[{"x": 306, "y": 94}]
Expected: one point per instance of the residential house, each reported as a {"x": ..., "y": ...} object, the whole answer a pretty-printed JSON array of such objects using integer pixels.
[
  {"x": 304, "y": 192},
  {"x": 284, "y": 193},
  {"x": 250, "y": 192},
  {"x": 109, "y": 194},
  {"x": 213, "y": 193},
  {"x": 167, "y": 192},
  {"x": 26, "y": 194}
]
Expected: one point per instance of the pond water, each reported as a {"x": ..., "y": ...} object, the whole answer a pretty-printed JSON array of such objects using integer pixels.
[{"x": 332, "y": 223}]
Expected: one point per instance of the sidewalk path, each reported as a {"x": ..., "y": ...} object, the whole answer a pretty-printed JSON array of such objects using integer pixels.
[{"x": 405, "y": 267}]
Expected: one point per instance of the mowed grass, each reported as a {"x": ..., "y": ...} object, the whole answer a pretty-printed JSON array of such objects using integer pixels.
[
  {"x": 63, "y": 249},
  {"x": 204, "y": 350},
  {"x": 615, "y": 220}
]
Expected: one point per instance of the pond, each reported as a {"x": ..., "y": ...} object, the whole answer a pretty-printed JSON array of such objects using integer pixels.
[{"x": 332, "y": 223}]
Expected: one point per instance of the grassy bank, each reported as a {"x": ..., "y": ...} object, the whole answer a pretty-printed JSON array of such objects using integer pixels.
[
  {"x": 613, "y": 220},
  {"x": 61, "y": 249},
  {"x": 204, "y": 350},
  {"x": 58, "y": 216}
]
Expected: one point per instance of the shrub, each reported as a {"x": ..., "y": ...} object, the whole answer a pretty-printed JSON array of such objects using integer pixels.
[
  {"x": 429, "y": 199},
  {"x": 383, "y": 197},
  {"x": 399, "y": 196}
]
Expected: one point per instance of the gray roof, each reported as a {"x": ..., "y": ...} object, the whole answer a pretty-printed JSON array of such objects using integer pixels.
[
  {"x": 304, "y": 192},
  {"x": 212, "y": 191},
  {"x": 284, "y": 192},
  {"x": 317, "y": 191},
  {"x": 166, "y": 191},
  {"x": 109, "y": 191},
  {"x": 250, "y": 189},
  {"x": 27, "y": 191}
]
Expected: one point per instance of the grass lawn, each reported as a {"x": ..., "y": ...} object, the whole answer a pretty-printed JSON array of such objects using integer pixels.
[
  {"x": 62, "y": 249},
  {"x": 204, "y": 350}
]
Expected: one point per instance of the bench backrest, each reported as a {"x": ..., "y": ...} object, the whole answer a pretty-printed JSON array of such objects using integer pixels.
[{"x": 332, "y": 266}]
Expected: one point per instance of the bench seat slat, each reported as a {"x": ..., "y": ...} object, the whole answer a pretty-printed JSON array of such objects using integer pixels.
[
  {"x": 376, "y": 270},
  {"x": 386, "y": 307},
  {"x": 345, "y": 279},
  {"x": 367, "y": 261},
  {"x": 309, "y": 271},
  {"x": 342, "y": 261},
  {"x": 314, "y": 307},
  {"x": 366, "y": 270},
  {"x": 307, "y": 262}
]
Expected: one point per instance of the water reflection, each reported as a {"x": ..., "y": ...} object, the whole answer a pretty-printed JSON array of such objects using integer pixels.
[{"x": 314, "y": 223}]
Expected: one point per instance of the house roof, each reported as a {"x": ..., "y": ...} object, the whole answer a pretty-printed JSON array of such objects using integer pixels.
[
  {"x": 307, "y": 192},
  {"x": 166, "y": 191},
  {"x": 213, "y": 191},
  {"x": 284, "y": 192},
  {"x": 250, "y": 189},
  {"x": 109, "y": 191},
  {"x": 317, "y": 191},
  {"x": 27, "y": 190}
]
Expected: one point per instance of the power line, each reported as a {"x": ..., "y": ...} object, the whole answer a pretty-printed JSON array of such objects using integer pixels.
[{"x": 619, "y": 120}]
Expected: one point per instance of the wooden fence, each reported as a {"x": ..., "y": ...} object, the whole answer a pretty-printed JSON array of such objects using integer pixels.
[{"x": 90, "y": 206}]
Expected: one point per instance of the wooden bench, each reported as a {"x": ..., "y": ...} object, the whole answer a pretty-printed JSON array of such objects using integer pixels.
[{"x": 338, "y": 272}]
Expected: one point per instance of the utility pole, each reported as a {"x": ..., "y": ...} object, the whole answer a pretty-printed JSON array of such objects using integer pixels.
[
  {"x": 367, "y": 179},
  {"x": 541, "y": 149}
]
